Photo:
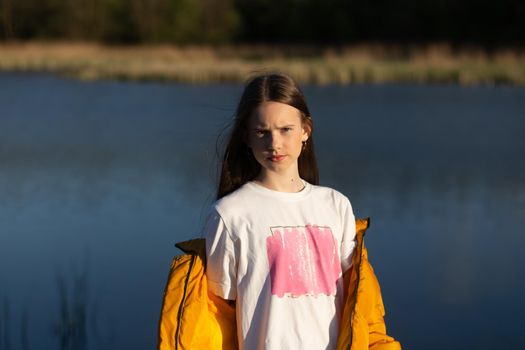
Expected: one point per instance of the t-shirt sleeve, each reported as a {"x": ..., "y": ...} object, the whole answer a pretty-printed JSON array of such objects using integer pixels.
[
  {"x": 348, "y": 239},
  {"x": 221, "y": 265}
]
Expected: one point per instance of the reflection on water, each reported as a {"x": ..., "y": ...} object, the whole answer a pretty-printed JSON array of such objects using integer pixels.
[
  {"x": 121, "y": 171},
  {"x": 5, "y": 328},
  {"x": 71, "y": 326}
]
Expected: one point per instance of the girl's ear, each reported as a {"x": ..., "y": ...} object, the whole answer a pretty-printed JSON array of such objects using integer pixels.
[{"x": 306, "y": 132}]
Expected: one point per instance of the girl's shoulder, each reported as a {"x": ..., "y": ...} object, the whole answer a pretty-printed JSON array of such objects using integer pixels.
[
  {"x": 233, "y": 202},
  {"x": 334, "y": 200}
]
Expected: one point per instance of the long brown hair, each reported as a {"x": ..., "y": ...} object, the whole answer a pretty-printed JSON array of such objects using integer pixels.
[{"x": 238, "y": 163}]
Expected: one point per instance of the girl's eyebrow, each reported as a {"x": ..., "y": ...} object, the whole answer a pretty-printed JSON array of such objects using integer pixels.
[{"x": 263, "y": 127}]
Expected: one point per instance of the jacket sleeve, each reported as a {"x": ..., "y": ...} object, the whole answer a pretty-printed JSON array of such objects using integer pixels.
[
  {"x": 374, "y": 312},
  {"x": 192, "y": 317},
  {"x": 362, "y": 324}
]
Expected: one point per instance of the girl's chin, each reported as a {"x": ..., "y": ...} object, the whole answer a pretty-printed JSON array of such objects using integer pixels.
[{"x": 277, "y": 166}]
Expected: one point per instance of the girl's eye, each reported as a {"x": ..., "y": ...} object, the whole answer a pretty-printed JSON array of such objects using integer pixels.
[
  {"x": 287, "y": 129},
  {"x": 260, "y": 133}
]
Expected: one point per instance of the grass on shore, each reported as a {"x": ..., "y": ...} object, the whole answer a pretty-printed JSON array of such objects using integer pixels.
[{"x": 372, "y": 63}]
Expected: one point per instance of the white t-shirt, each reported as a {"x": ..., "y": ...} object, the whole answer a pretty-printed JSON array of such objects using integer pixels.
[{"x": 281, "y": 256}]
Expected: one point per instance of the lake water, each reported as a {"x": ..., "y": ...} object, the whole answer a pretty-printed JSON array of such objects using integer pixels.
[{"x": 99, "y": 180}]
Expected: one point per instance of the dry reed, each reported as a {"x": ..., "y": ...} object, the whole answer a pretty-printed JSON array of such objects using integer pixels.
[{"x": 371, "y": 63}]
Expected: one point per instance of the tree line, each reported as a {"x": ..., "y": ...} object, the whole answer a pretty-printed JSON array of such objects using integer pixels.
[{"x": 482, "y": 22}]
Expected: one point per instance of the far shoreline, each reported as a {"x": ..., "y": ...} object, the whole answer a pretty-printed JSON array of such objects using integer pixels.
[{"x": 437, "y": 63}]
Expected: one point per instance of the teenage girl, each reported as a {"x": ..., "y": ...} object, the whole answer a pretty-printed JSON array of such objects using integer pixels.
[{"x": 277, "y": 243}]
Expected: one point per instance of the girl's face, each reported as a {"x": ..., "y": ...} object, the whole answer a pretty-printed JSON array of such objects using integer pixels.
[{"x": 275, "y": 135}]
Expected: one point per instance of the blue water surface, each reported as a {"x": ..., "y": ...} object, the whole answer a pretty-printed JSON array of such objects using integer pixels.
[{"x": 99, "y": 179}]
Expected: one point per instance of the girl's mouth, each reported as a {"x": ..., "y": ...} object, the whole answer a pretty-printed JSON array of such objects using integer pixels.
[{"x": 276, "y": 158}]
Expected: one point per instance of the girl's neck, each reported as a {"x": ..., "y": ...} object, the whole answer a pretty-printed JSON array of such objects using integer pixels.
[{"x": 290, "y": 183}]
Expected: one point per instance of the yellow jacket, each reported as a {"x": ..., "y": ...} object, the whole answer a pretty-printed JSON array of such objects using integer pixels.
[{"x": 192, "y": 318}]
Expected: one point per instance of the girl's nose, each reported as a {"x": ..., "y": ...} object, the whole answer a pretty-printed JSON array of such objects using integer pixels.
[{"x": 274, "y": 141}]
